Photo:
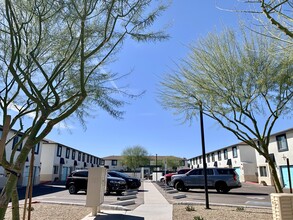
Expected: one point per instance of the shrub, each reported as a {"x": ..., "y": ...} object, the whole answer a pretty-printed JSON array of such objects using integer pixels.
[
  {"x": 189, "y": 208},
  {"x": 197, "y": 218},
  {"x": 240, "y": 209}
]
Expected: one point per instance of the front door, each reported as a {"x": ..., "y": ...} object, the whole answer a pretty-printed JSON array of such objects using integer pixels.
[{"x": 285, "y": 176}]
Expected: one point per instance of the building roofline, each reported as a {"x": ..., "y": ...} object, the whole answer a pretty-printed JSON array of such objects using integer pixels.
[{"x": 243, "y": 143}]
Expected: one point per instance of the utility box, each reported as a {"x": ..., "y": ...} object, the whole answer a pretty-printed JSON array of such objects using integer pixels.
[
  {"x": 282, "y": 206},
  {"x": 96, "y": 186}
]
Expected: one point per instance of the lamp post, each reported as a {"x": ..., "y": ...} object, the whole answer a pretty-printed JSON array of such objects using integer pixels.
[
  {"x": 156, "y": 167},
  {"x": 204, "y": 155}
]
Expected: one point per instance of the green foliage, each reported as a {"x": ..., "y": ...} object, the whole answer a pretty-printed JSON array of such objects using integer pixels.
[
  {"x": 53, "y": 58},
  {"x": 134, "y": 157},
  {"x": 240, "y": 209},
  {"x": 189, "y": 208},
  {"x": 244, "y": 83},
  {"x": 198, "y": 218}
]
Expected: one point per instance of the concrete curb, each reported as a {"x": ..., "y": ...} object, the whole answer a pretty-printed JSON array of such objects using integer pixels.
[
  {"x": 126, "y": 197},
  {"x": 127, "y": 193},
  {"x": 180, "y": 196},
  {"x": 172, "y": 191},
  {"x": 124, "y": 203}
]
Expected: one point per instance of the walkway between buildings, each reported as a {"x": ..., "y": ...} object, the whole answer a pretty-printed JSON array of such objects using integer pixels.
[{"x": 155, "y": 207}]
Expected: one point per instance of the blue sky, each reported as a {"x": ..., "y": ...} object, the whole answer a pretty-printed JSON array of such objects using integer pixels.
[{"x": 145, "y": 122}]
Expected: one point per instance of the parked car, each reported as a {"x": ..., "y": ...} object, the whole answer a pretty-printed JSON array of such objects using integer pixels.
[
  {"x": 77, "y": 181},
  {"x": 221, "y": 179},
  {"x": 132, "y": 182},
  {"x": 167, "y": 177}
]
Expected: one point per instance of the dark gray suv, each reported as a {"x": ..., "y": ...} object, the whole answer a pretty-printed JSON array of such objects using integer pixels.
[
  {"x": 77, "y": 181},
  {"x": 221, "y": 179}
]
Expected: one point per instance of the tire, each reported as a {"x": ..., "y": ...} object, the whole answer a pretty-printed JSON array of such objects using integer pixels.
[
  {"x": 119, "y": 193},
  {"x": 180, "y": 186},
  {"x": 72, "y": 189},
  {"x": 222, "y": 187},
  {"x": 186, "y": 189},
  {"x": 107, "y": 191}
]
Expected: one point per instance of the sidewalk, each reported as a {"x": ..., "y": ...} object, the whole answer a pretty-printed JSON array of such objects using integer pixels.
[{"x": 155, "y": 207}]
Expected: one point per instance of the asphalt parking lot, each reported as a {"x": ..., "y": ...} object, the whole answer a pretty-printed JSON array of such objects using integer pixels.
[
  {"x": 56, "y": 193},
  {"x": 250, "y": 194}
]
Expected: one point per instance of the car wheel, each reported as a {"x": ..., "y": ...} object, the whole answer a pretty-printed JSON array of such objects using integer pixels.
[
  {"x": 180, "y": 186},
  {"x": 72, "y": 189},
  {"x": 119, "y": 193},
  {"x": 222, "y": 188},
  {"x": 107, "y": 191}
]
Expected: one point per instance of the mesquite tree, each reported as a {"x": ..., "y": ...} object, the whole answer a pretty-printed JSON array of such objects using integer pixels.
[
  {"x": 52, "y": 54},
  {"x": 244, "y": 83}
]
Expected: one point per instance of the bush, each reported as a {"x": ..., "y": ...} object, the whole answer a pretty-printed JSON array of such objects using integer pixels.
[
  {"x": 189, "y": 208},
  {"x": 197, "y": 218},
  {"x": 240, "y": 209}
]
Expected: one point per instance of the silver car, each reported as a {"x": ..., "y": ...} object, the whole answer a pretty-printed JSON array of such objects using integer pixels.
[{"x": 221, "y": 179}]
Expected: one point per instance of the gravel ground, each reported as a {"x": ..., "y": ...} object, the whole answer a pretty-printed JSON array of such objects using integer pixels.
[
  {"x": 44, "y": 211},
  {"x": 220, "y": 213}
]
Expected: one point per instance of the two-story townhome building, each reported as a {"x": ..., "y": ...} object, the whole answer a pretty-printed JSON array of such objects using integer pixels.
[
  {"x": 116, "y": 163},
  {"x": 14, "y": 147},
  {"x": 238, "y": 156},
  {"x": 58, "y": 161},
  {"x": 281, "y": 150}
]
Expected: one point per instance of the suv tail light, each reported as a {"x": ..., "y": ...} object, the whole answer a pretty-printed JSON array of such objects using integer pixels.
[{"x": 235, "y": 176}]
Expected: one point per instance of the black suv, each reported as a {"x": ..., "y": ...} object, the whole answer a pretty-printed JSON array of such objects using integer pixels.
[
  {"x": 132, "y": 182},
  {"x": 77, "y": 181},
  {"x": 221, "y": 179}
]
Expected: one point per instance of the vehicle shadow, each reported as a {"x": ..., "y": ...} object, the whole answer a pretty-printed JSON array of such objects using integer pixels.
[
  {"x": 231, "y": 193},
  {"x": 40, "y": 190}
]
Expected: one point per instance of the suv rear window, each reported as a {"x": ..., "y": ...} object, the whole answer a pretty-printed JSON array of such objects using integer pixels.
[
  {"x": 81, "y": 174},
  {"x": 225, "y": 171}
]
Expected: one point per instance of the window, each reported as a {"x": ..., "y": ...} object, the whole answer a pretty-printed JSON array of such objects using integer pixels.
[
  {"x": 102, "y": 162},
  {"x": 67, "y": 152},
  {"x": 234, "y": 151},
  {"x": 37, "y": 147},
  {"x": 199, "y": 159},
  {"x": 282, "y": 143},
  {"x": 59, "y": 151},
  {"x": 16, "y": 140},
  {"x": 219, "y": 155},
  {"x": 56, "y": 168},
  {"x": 196, "y": 172},
  {"x": 88, "y": 158},
  {"x": 225, "y": 154},
  {"x": 79, "y": 156},
  {"x": 208, "y": 158},
  {"x": 213, "y": 157},
  {"x": 114, "y": 162},
  {"x": 83, "y": 157},
  {"x": 225, "y": 171},
  {"x": 196, "y": 161},
  {"x": 263, "y": 171},
  {"x": 91, "y": 159},
  {"x": 81, "y": 174},
  {"x": 73, "y": 155},
  {"x": 0, "y": 134}
]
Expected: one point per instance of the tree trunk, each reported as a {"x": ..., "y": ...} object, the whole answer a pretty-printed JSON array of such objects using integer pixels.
[
  {"x": 277, "y": 183},
  {"x": 6, "y": 194},
  {"x": 15, "y": 204}
]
